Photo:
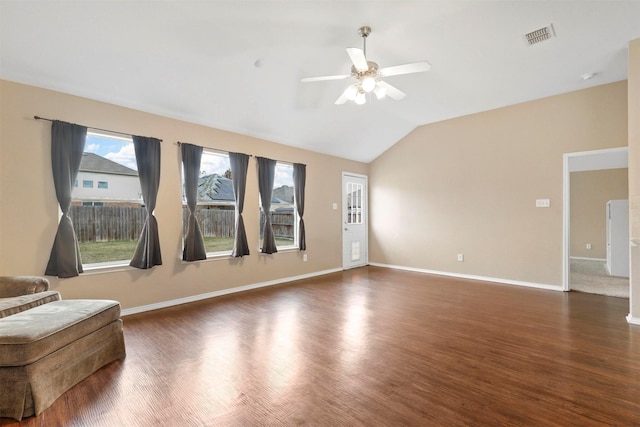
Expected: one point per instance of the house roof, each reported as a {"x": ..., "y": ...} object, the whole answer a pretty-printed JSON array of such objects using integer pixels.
[
  {"x": 92, "y": 162},
  {"x": 215, "y": 188},
  {"x": 237, "y": 65}
]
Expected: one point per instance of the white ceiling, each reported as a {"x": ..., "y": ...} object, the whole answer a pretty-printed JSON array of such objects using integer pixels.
[{"x": 236, "y": 65}]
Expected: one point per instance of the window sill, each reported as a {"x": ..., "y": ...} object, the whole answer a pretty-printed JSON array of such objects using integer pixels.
[
  {"x": 211, "y": 256},
  {"x": 107, "y": 267},
  {"x": 282, "y": 249},
  {"x": 218, "y": 255}
]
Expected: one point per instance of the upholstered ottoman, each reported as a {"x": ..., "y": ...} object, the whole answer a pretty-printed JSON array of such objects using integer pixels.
[{"x": 46, "y": 350}]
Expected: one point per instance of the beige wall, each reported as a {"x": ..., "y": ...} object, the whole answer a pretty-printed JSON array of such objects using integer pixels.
[
  {"x": 469, "y": 185},
  {"x": 590, "y": 191},
  {"x": 28, "y": 209},
  {"x": 634, "y": 173}
]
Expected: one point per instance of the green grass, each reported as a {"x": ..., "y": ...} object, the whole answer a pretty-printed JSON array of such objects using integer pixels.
[
  {"x": 218, "y": 244},
  {"x": 284, "y": 242},
  {"x": 120, "y": 250}
]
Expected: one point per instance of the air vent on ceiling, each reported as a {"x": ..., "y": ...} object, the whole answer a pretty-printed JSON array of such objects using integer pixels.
[{"x": 540, "y": 35}]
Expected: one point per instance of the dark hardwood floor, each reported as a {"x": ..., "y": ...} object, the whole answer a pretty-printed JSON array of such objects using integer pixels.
[{"x": 374, "y": 347}]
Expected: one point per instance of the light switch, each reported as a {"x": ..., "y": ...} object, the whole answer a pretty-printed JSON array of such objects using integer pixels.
[
  {"x": 542, "y": 203},
  {"x": 335, "y": 206}
]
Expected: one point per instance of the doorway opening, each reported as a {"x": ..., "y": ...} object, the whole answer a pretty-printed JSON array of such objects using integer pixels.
[{"x": 581, "y": 270}]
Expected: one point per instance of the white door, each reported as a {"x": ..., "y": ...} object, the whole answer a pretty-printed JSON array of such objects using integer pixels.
[{"x": 354, "y": 221}]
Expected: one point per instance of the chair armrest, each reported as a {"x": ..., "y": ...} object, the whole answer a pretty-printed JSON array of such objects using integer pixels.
[{"x": 13, "y": 286}]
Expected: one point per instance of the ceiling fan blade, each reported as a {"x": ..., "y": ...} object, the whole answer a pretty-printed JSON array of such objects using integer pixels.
[
  {"x": 414, "y": 67},
  {"x": 324, "y": 78},
  {"x": 342, "y": 99},
  {"x": 392, "y": 91},
  {"x": 345, "y": 95},
  {"x": 358, "y": 58}
]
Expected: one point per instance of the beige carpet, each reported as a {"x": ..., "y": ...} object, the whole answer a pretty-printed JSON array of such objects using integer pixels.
[{"x": 591, "y": 276}]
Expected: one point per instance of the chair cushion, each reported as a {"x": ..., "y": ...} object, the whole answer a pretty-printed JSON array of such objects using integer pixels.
[
  {"x": 13, "y": 305},
  {"x": 33, "y": 334}
]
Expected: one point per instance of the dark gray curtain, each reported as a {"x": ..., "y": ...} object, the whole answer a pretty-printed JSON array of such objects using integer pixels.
[
  {"x": 148, "y": 159},
  {"x": 239, "y": 166},
  {"x": 194, "y": 249},
  {"x": 67, "y": 145},
  {"x": 299, "y": 180},
  {"x": 266, "y": 175}
]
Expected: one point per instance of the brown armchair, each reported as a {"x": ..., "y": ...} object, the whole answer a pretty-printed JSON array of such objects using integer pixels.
[
  {"x": 48, "y": 345},
  {"x": 14, "y": 286},
  {"x": 20, "y": 293}
]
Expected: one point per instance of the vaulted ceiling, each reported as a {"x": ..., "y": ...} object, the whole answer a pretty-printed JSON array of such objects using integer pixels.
[{"x": 236, "y": 65}]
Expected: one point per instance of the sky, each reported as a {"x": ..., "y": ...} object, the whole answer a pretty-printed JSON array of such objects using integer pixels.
[
  {"x": 121, "y": 151},
  {"x": 115, "y": 149}
]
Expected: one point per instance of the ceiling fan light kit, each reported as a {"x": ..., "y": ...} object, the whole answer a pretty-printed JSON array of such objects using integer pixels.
[{"x": 369, "y": 76}]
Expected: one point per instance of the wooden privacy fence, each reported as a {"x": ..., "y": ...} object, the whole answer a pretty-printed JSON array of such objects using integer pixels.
[
  {"x": 212, "y": 222},
  {"x": 281, "y": 223},
  {"x": 109, "y": 223}
]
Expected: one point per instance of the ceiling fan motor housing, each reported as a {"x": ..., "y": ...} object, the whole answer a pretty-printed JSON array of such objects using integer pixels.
[{"x": 371, "y": 72}]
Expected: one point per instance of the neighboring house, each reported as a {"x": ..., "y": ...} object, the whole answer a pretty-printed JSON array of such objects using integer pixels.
[
  {"x": 282, "y": 199},
  {"x": 284, "y": 194},
  {"x": 103, "y": 182},
  {"x": 217, "y": 191}
]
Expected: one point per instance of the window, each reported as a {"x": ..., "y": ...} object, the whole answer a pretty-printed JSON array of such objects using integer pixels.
[
  {"x": 284, "y": 217},
  {"x": 354, "y": 203},
  {"x": 215, "y": 211},
  {"x": 108, "y": 219}
]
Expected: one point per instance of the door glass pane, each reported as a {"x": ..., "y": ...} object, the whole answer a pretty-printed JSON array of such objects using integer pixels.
[{"x": 354, "y": 203}]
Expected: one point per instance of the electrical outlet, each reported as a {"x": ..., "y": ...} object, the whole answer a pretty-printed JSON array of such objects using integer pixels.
[
  {"x": 304, "y": 257},
  {"x": 543, "y": 203},
  {"x": 588, "y": 245},
  {"x": 460, "y": 257}
]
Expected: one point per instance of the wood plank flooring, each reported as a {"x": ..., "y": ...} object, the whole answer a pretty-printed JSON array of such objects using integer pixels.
[{"x": 374, "y": 347}]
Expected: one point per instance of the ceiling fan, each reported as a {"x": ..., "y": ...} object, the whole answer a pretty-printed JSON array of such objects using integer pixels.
[{"x": 369, "y": 76}]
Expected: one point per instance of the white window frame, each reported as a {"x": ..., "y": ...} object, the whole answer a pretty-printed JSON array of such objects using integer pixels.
[
  {"x": 115, "y": 265},
  {"x": 215, "y": 254},
  {"x": 293, "y": 246}
]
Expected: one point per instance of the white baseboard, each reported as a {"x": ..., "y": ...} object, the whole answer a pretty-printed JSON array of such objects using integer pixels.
[
  {"x": 633, "y": 320},
  {"x": 588, "y": 259},
  {"x": 199, "y": 297},
  {"x": 472, "y": 277}
]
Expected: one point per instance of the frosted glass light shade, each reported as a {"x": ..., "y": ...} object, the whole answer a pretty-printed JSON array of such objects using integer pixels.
[
  {"x": 380, "y": 92},
  {"x": 368, "y": 84},
  {"x": 351, "y": 93}
]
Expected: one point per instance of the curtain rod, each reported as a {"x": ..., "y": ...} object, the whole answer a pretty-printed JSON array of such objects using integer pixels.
[
  {"x": 90, "y": 127},
  {"x": 216, "y": 150}
]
